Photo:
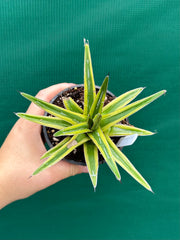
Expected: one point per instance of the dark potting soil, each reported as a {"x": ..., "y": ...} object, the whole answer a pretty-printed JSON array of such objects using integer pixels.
[{"x": 77, "y": 94}]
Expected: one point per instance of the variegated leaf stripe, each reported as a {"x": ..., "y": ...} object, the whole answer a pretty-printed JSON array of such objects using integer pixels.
[
  {"x": 62, "y": 113},
  {"x": 71, "y": 105},
  {"x": 52, "y": 122},
  {"x": 55, "y": 148},
  {"x": 90, "y": 122},
  {"x": 122, "y": 160},
  {"x": 109, "y": 120},
  {"x": 73, "y": 143},
  {"x": 96, "y": 121},
  {"x": 121, "y": 129},
  {"x": 121, "y": 101},
  {"x": 100, "y": 141},
  {"x": 91, "y": 158},
  {"x": 89, "y": 85},
  {"x": 73, "y": 130},
  {"x": 99, "y": 99}
]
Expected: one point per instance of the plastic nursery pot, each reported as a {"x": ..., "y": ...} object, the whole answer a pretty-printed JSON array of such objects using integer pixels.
[{"x": 77, "y": 94}]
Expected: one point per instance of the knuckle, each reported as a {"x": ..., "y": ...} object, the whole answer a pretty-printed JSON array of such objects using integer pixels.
[
  {"x": 64, "y": 86},
  {"x": 73, "y": 170},
  {"x": 41, "y": 94}
]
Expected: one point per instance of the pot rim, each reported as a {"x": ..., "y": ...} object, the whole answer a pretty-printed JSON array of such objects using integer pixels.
[{"x": 77, "y": 85}]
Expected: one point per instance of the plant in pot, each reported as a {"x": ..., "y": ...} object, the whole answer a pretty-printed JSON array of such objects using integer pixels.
[{"x": 88, "y": 121}]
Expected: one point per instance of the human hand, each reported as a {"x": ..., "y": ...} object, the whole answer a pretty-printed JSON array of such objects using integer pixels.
[{"x": 20, "y": 156}]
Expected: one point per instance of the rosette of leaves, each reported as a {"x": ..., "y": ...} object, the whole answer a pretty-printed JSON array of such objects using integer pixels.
[{"x": 92, "y": 126}]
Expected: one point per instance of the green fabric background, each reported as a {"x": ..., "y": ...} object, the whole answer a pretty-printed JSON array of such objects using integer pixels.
[{"x": 137, "y": 42}]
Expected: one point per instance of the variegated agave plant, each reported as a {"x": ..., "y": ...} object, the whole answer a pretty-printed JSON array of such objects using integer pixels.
[{"x": 92, "y": 126}]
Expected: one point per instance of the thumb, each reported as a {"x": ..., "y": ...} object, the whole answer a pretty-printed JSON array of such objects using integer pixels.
[
  {"x": 47, "y": 94},
  {"x": 64, "y": 170},
  {"x": 74, "y": 170}
]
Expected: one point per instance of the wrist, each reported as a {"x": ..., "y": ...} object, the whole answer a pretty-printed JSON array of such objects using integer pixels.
[{"x": 6, "y": 195}]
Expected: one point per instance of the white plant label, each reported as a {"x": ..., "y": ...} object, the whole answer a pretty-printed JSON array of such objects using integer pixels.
[{"x": 127, "y": 140}]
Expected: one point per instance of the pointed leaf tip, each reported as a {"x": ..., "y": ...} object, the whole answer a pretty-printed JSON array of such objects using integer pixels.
[
  {"x": 150, "y": 189},
  {"x": 119, "y": 178},
  {"x": 86, "y": 42},
  {"x": 142, "y": 88},
  {"x": 22, "y": 93},
  {"x": 165, "y": 91},
  {"x": 19, "y": 114},
  {"x": 18, "y": 91}
]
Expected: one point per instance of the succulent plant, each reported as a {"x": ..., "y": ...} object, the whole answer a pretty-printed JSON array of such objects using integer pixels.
[{"x": 92, "y": 126}]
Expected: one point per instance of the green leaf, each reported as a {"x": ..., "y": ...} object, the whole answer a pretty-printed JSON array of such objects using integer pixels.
[
  {"x": 90, "y": 122},
  {"x": 96, "y": 121},
  {"x": 100, "y": 141},
  {"x": 54, "y": 149},
  {"x": 121, "y": 129},
  {"x": 52, "y": 122},
  {"x": 122, "y": 160},
  {"x": 71, "y": 105},
  {"x": 62, "y": 113},
  {"x": 121, "y": 101},
  {"x": 99, "y": 99},
  {"x": 73, "y": 143},
  {"x": 89, "y": 85},
  {"x": 73, "y": 130},
  {"x": 91, "y": 158},
  {"x": 109, "y": 120}
]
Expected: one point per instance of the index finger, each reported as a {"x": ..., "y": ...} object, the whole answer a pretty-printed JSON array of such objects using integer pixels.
[{"x": 47, "y": 94}]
